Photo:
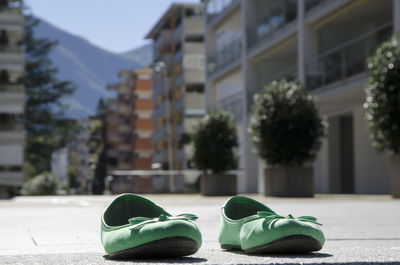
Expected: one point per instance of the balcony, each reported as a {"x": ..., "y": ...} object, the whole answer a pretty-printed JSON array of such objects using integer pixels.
[
  {"x": 178, "y": 56},
  {"x": 126, "y": 110},
  {"x": 310, "y": 4},
  {"x": 345, "y": 60},
  {"x": 144, "y": 105},
  {"x": 13, "y": 135},
  {"x": 158, "y": 112},
  {"x": 11, "y": 88},
  {"x": 179, "y": 81},
  {"x": 15, "y": 154},
  {"x": 164, "y": 84},
  {"x": 143, "y": 124},
  {"x": 167, "y": 59},
  {"x": 163, "y": 42},
  {"x": 12, "y": 59},
  {"x": 159, "y": 157},
  {"x": 12, "y": 102},
  {"x": 218, "y": 8},
  {"x": 273, "y": 18},
  {"x": 225, "y": 57},
  {"x": 177, "y": 35},
  {"x": 194, "y": 61},
  {"x": 141, "y": 143},
  {"x": 289, "y": 74},
  {"x": 193, "y": 25},
  {"x": 159, "y": 134},
  {"x": 124, "y": 128},
  {"x": 12, "y": 178},
  {"x": 11, "y": 49},
  {"x": 12, "y": 15},
  {"x": 11, "y": 126}
]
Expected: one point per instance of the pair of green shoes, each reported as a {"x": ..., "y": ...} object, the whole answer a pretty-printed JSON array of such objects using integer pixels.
[{"x": 134, "y": 227}]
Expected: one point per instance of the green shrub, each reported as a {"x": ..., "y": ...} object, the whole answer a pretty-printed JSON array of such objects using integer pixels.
[
  {"x": 285, "y": 127},
  {"x": 43, "y": 184},
  {"x": 383, "y": 96},
  {"x": 214, "y": 141}
]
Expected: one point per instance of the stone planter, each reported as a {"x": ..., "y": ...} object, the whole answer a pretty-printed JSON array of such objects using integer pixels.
[
  {"x": 218, "y": 185},
  {"x": 395, "y": 175},
  {"x": 289, "y": 181}
]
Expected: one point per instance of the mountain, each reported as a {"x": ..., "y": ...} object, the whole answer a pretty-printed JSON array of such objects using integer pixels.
[
  {"x": 142, "y": 55},
  {"x": 89, "y": 67}
]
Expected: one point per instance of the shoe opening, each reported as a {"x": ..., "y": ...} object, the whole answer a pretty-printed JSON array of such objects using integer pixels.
[
  {"x": 128, "y": 206},
  {"x": 240, "y": 207}
]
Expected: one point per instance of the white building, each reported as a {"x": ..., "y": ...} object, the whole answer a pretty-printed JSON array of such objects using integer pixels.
[
  {"x": 249, "y": 43},
  {"x": 12, "y": 95}
]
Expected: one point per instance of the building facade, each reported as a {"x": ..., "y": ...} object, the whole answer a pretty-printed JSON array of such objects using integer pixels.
[
  {"x": 178, "y": 66},
  {"x": 325, "y": 45},
  {"x": 12, "y": 95},
  {"x": 130, "y": 126}
]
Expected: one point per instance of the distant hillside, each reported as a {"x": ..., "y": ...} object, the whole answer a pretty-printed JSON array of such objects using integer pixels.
[
  {"x": 89, "y": 67},
  {"x": 142, "y": 55}
]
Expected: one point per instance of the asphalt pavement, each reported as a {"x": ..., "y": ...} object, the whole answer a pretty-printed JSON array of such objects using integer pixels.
[{"x": 66, "y": 229}]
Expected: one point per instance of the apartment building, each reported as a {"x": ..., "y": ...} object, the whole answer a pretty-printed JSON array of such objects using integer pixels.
[
  {"x": 178, "y": 66},
  {"x": 12, "y": 96},
  {"x": 130, "y": 127},
  {"x": 322, "y": 43}
]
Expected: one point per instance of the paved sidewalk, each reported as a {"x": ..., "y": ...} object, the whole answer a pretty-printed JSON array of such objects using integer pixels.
[{"x": 66, "y": 230}]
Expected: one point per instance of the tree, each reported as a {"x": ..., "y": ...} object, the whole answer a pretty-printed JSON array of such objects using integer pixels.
[
  {"x": 214, "y": 142},
  {"x": 285, "y": 126},
  {"x": 383, "y": 96},
  {"x": 46, "y": 127}
]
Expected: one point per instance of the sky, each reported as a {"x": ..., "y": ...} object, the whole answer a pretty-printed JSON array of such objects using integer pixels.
[{"x": 114, "y": 25}]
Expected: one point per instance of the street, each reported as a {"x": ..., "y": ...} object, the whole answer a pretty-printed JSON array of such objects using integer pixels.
[{"x": 66, "y": 229}]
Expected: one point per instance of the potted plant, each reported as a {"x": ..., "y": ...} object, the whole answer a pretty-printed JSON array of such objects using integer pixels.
[
  {"x": 285, "y": 129},
  {"x": 214, "y": 140},
  {"x": 383, "y": 105}
]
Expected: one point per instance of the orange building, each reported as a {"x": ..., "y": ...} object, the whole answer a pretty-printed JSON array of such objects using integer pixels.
[{"x": 130, "y": 129}]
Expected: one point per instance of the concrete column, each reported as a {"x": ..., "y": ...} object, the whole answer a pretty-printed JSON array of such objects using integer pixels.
[
  {"x": 300, "y": 41},
  {"x": 250, "y": 166},
  {"x": 396, "y": 15}
]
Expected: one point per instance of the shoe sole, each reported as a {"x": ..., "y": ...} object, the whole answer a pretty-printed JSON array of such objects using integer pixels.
[
  {"x": 162, "y": 248},
  {"x": 288, "y": 245}
]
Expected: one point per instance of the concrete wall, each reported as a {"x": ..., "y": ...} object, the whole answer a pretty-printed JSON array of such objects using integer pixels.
[{"x": 371, "y": 167}]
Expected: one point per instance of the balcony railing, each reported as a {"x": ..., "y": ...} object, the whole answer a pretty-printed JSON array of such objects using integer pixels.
[
  {"x": 217, "y": 7},
  {"x": 163, "y": 39},
  {"x": 278, "y": 15},
  {"x": 289, "y": 74},
  {"x": 13, "y": 7},
  {"x": 310, "y": 4},
  {"x": 11, "y": 126},
  {"x": 226, "y": 56},
  {"x": 158, "y": 112},
  {"x": 178, "y": 32},
  {"x": 178, "y": 56},
  {"x": 11, "y": 88},
  {"x": 345, "y": 60},
  {"x": 10, "y": 49}
]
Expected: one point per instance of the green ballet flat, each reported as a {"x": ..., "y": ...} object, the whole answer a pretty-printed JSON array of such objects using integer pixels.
[
  {"x": 135, "y": 227},
  {"x": 253, "y": 227}
]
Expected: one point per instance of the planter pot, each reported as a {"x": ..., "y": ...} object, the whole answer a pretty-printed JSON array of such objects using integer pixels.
[
  {"x": 218, "y": 185},
  {"x": 395, "y": 175},
  {"x": 289, "y": 181}
]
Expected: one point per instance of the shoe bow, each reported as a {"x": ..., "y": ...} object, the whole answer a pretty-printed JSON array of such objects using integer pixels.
[
  {"x": 139, "y": 222},
  {"x": 273, "y": 217}
]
